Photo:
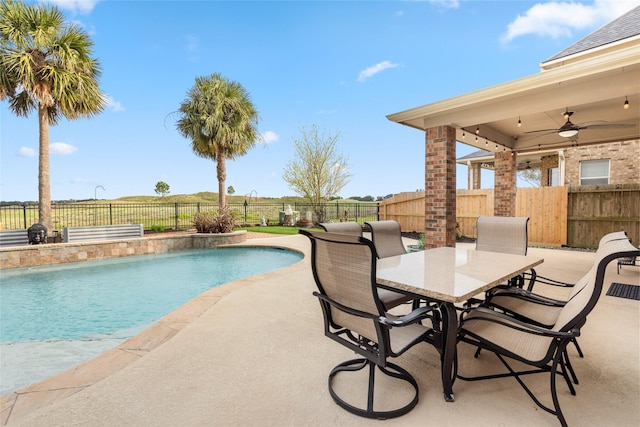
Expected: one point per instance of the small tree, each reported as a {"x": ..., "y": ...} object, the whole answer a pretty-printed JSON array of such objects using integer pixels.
[
  {"x": 319, "y": 171},
  {"x": 230, "y": 190},
  {"x": 532, "y": 176},
  {"x": 162, "y": 188}
]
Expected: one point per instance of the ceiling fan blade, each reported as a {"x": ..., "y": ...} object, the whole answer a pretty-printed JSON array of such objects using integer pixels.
[
  {"x": 609, "y": 126},
  {"x": 543, "y": 130}
]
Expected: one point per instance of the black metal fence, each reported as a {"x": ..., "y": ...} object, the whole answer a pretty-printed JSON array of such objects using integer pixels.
[{"x": 176, "y": 216}]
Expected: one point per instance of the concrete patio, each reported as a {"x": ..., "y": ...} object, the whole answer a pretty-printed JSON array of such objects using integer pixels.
[{"x": 253, "y": 352}]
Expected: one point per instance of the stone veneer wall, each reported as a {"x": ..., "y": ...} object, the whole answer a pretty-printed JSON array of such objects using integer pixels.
[
  {"x": 59, "y": 253},
  {"x": 625, "y": 167}
]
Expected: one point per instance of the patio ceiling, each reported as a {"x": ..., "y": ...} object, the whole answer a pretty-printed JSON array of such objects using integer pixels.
[{"x": 594, "y": 88}]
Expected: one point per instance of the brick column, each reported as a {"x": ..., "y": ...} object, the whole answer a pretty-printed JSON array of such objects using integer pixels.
[
  {"x": 440, "y": 187},
  {"x": 504, "y": 195},
  {"x": 474, "y": 176}
]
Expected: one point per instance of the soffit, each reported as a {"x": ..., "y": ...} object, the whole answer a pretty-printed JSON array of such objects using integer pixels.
[{"x": 594, "y": 89}]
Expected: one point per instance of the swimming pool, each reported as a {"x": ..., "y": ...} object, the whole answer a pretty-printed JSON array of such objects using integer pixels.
[{"x": 113, "y": 299}]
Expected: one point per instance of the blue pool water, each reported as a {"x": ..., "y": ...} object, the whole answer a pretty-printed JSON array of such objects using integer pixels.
[{"x": 98, "y": 298}]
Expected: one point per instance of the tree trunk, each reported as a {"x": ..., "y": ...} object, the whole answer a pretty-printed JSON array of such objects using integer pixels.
[
  {"x": 44, "y": 185},
  {"x": 222, "y": 176}
]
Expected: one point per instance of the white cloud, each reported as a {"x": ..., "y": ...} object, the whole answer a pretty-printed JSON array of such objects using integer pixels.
[
  {"x": 62, "y": 148},
  {"x": 113, "y": 104},
  {"x": 27, "y": 152},
  {"x": 372, "y": 71},
  {"x": 559, "y": 19},
  {"x": 269, "y": 137},
  {"x": 452, "y": 4},
  {"x": 192, "y": 42},
  {"x": 75, "y": 6}
]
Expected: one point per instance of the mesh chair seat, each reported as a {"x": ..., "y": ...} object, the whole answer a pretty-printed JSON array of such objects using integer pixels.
[
  {"x": 483, "y": 326},
  {"x": 543, "y": 315},
  {"x": 508, "y": 235},
  {"x": 387, "y": 238},
  {"x": 349, "y": 227}
]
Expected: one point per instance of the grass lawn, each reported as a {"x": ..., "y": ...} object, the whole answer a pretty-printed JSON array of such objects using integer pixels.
[{"x": 276, "y": 229}]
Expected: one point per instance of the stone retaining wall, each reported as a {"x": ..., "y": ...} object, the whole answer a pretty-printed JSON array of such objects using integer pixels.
[{"x": 59, "y": 253}]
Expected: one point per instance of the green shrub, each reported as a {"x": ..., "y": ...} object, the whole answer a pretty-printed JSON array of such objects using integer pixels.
[{"x": 214, "y": 222}]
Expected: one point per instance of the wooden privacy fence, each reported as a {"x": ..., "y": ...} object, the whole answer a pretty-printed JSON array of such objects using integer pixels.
[
  {"x": 595, "y": 210},
  {"x": 470, "y": 204},
  {"x": 558, "y": 216},
  {"x": 546, "y": 208}
]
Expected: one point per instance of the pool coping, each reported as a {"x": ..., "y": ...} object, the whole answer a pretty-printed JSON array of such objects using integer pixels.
[{"x": 24, "y": 401}]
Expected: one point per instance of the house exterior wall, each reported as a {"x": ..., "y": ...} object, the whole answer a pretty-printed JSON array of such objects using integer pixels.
[
  {"x": 624, "y": 166},
  {"x": 547, "y": 163}
]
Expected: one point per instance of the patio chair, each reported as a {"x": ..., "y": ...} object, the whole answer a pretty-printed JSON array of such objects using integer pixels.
[
  {"x": 389, "y": 298},
  {"x": 533, "y": 278},
  {"x": 344, "y": 270},
  {"x": 387, "y": 238},
  {"x": 503, "y": 234},
  {"x": 541, "y": 348},
  {"x": 538, "y": 309},
  {"x": 349, "y": 227},
  {"x": 627, "y": 261}
]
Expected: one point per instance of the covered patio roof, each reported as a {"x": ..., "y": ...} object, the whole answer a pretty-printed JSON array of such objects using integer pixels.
[{"x": 594, "y": 88}]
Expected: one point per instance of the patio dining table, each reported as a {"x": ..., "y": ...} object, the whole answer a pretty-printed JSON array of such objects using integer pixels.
[{"x": 450, "y": 276}]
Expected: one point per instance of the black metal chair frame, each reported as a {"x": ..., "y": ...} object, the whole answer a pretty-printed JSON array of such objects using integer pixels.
[{"x": 374, "y": 353}]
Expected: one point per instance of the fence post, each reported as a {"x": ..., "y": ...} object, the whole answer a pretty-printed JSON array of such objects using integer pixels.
[
  {"x": 177, "y": 211},
  {"x": 24, "y": 215},
  {"x": 110, "y": 214}
]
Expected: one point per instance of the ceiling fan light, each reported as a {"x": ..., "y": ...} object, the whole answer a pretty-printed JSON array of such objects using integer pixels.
[{"x": 568, "y": 133}]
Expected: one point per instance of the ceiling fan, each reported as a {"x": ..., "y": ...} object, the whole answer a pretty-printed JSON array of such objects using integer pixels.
[{"x": 570, "y": 130}]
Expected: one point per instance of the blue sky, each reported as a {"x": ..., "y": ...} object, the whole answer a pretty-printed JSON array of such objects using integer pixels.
[{"x": 340, "y": 65}]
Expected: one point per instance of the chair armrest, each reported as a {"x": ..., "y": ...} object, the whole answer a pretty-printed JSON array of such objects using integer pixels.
[
  {"x": 534, "y": 278},
  {"x": 409, "y": 318},
  {"x": 514, "y": 292},
  {"x": 512, "y": 323}
]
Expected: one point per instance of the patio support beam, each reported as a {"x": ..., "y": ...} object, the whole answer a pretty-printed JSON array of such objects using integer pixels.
[
  {"x": 504, "y": 198},
  {"x": 440, "y": 187}
]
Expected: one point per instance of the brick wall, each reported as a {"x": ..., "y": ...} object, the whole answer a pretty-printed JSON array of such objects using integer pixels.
[{"x": 625, "y": 166}]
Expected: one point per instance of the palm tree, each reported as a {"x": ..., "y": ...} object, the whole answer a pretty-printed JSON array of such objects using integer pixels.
[
  {"x": 221, "y": 122},
  {"x": 46, "y": 65}
]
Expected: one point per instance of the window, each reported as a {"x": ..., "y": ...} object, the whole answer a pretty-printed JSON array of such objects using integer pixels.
[
  {"x": 554, "y": 177},
  {"x": 593, "y": 172}
]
